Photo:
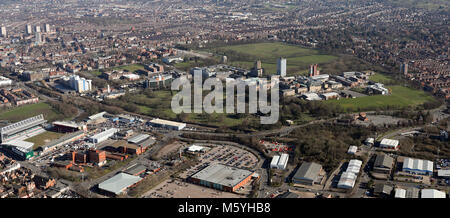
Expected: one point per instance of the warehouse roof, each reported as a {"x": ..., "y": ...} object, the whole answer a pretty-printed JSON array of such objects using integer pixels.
[
  {"x": 119, "y": 183},
  {"x": 389, "y": 142},
  {"x": 432, "y": 193},
  {"x": 443, "y": 173},
  {"x": 347, "y": 179},
  {"x": 400, "y": 193},
  {"x": 167, "y": 122},
  {"x": 222, "y": 174},
  {"x": 384, "y": 160},
  {"x": 308, "y": 171},
  {"x": 412, "y": 192},
  {"x": 104, "y": 133},
  {"x": 417, "y": 164},
  {"x": 135, "y": 169},
  {"x": 138, "y": 138}
]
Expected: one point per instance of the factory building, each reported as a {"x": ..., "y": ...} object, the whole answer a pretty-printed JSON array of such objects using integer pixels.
[
  {"x": 167, "y": 124},
  {"x": 279, "y": 162},
  {"x": 307, "y": 174},
  {"x": 383, "y": 164},
  {"x": 348, "y": 178},
  {"x": 223, "y": 177},
  {"x": 389, "y": 144},
  {"x": 100, "y": 137},
  {"x": 417, "y": 166},
  {"x": 119, "y": 183},
  {"x": 432, "y": 193}
]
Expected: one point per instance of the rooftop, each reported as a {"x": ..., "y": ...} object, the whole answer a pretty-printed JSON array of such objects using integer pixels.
[
  {"x": 119, "y": 183},
  {"x": 222, "y": 174}
]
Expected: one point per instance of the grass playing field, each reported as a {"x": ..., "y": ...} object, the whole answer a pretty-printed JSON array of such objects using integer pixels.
[
  {"x": 298, "y": 58},
  {"x": 44, "y": 138},
  {"x": 401, "y": 97},
  {"x": 381, "y": 78},
  {"x": 130, "y": 68},
  {"x": 26, "y": 111}
]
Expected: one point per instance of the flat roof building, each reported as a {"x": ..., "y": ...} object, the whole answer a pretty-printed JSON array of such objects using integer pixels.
[
  {"x": 308, "y": 173},
  {"x": 347, "y": 180},
  {"x": 352, "y": 149},
  {"x": 432, "y": 193},
  {"x": 389, "y": 144},
  {"x": 102, "y": 136},
  {"x": 383, "y": 163},
  {"x": 417, "y": 166},
  {"x": 167, "y": 124},
  {"x": 279, "y": 162},
  {"x": 138, "y": 138},
  {"x": 119, "y": 183},
  {"x": 222, "y": 177},
  {"x": 400, "y": 193}
]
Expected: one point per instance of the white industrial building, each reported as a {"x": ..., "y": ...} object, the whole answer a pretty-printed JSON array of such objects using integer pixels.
[
  {"x": 400, "y": 193},
  {"x": 354, "y": 166},
  {"x": 352, "y": 149},
  {"x": 100, "y": 137},
  {"x": 417, "y": 166},
  {"x": 347, "y": 180},
  {"x": 138, "y": 138},
  {"x": 167, "y": 124},
  {"x": 279, "y": 162},
  {"x": 389, "y": 144},
  {"x": 432, "y": 193},
  {"x": 119, "y": 183},
  {"x": 5, "y": 81}
]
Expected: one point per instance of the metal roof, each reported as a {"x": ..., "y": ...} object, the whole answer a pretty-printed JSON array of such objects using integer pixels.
[
  {"x": 104, "y": 133},
  {"x": 138, "y": 138},
  {"x": 22, "y": 125},
  {"x": 167, "y": 122},
  {"x": 432, "y": 193},
  {"x": 417, "y": 165},
  {"x": 384, "y": 160},
  {"x": 222, "y": 174},
  {"x": 308, "y": 171},
  {"x": 119, "y": 183}
]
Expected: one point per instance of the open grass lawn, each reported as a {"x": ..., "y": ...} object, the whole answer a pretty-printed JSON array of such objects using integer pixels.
[
  {"x": 298, "y": 58},
  {"x": 130, "y": 68},
  {"x": 380, "y": 78},
  {"x": 26, "y": 111},
  {"x": 44, "y": 138},
  {"x": 401, "y": 97}
]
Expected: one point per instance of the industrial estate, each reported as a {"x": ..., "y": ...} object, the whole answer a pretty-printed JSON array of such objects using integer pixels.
[{"x": 87, "y": 95}]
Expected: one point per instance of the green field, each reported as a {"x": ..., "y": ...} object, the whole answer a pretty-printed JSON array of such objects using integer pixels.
[
  {"x": 381, "y": 78},
  {"x": 26, "y": 111},
  {"x": 401, "y": 97},
  {"x": 298, "y": 58},
  {"x": 44, "y": 138},
  {"x": 130, "y": 68}
]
